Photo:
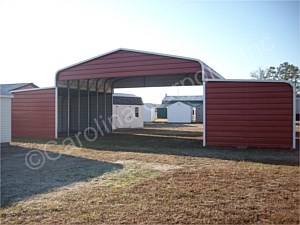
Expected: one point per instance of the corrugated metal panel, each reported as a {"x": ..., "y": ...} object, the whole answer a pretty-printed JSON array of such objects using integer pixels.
[
  {"x": 33, "y": 114},
  {"x": 125, "y": 63},
  {"x": 253, "y": 114}
]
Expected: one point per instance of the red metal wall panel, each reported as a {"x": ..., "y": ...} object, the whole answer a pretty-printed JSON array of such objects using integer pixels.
[
  {"x": 252, "y": 114},
  {"x": 33, "y": 114},
  {"x": 125, "y": 63}
]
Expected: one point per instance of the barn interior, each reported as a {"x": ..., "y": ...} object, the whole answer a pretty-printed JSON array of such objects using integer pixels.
[{"x": 86, "y": 105}]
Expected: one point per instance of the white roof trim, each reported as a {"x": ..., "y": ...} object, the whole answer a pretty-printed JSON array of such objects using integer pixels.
[
  {"x": 6, "y": 96},
  {"x": 252, "y": 81},
  {"x": 32, "y": 89}
]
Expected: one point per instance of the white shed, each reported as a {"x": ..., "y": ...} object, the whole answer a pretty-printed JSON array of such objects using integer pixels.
[
  {"x": 180, "y": 112},
  {"x": 149, "y": 112},
  {"x": 128, "y": 111},
  {"x": 5, "y": 125}
]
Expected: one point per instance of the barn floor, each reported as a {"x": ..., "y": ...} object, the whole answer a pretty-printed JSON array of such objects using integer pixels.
[{"x": 158, "y": 175}]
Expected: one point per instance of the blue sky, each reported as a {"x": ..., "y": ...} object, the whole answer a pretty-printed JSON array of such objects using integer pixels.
[{"x": 233, "y": 37}]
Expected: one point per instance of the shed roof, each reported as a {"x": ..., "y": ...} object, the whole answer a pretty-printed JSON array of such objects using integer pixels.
[
  {"x": 185, "y": 103},
  {"x": 183, "y": 98},
  {"x": 124, "y": 95},
  {"x": 193, "y": 103},
  {"x": 151, "y": 105},
  {"x": 127, "y": 100},
  {"x": 5, "y": 89}
]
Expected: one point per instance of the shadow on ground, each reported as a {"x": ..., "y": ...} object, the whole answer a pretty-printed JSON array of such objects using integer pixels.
[
  {"x": 170, "y": 125},
  {"x": 192, "y": 148},
  {"x": 182, "y": 143},
  {"x": 18, "y": 181},
  {"x": 157, "y": 131}
]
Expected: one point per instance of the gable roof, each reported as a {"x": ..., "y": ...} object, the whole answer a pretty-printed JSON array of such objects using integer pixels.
[
  {"x": 151, "y": 105},
  {"x": 5, "y": 89},
  {"x": 184, "y": 103},
  {"x": 183, "y": 98},
  {"x": 124, "y": 95},
  {"x": 124, "y": 62},
  {"x": 193, "y": 101},
  {"x": 127, "y": 99}
]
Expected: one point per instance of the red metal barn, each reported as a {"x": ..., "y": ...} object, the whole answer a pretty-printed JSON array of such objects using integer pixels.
[{"x": 249, "y": 113}]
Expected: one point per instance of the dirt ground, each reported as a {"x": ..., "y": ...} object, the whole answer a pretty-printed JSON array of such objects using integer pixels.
[{"x": 158, "y": 175}]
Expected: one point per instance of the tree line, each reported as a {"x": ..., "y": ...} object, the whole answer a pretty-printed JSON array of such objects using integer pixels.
[{"x": 284, "y": 71}]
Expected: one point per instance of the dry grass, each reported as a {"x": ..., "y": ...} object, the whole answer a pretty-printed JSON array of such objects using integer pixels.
[{"x": 159, "y": 187}]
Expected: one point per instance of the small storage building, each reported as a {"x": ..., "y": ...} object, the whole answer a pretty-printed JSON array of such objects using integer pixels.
[
  {"x": 5, "y": 110},
  {"x": 149, "y": 112},
  {"x": 127, "y": 111},
  {"x": 196, "y": 102},
  {"x": 180, "y": 112}
]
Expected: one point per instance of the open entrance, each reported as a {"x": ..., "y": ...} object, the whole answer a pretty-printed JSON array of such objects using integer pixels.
[{"x": 85, "y": 90}]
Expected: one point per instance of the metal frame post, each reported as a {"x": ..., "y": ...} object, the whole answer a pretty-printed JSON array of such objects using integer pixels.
[
  {"x": 88, "y": 105},
  {"x": 97, "y": 103},
  {"x": 78, "y": 105},
  {"x": 204, "y": 102},
  {"x": 105, "y": 106},
  {"x": 112, "y": 105},
  {"x": 68, "y": 107}
]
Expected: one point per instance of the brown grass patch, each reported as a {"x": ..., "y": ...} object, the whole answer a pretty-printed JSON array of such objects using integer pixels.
[{"x": 156, "y": 185}]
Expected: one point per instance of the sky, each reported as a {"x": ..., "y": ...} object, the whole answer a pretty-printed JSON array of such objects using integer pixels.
[{"x": 39, "y": 37}]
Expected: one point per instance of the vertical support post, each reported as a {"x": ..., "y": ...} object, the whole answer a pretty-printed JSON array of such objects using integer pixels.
[
  {"x": 56, "y": 112},
  {"x": 68, "y": 108},
  {"x": 62, "y": 114},
  {"x": 105, "y": 107},
  {"x": 78, "y": 105},
  {"x": 204, "y": 103},
  {"x": 294, "y": 116},
  {"x": 112, "y": 106},
  {"x": 97, "y": 103},
  {"x": 88, "y": 105},
  {"x": 204, "y": 113}
]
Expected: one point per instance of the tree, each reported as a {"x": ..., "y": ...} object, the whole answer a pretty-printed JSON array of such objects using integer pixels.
[
  {"x": 285, "y": 71},
  {"x": 259, "y": 74}
]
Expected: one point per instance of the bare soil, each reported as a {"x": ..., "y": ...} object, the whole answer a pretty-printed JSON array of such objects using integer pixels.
[{"x": 159, "y": 175}]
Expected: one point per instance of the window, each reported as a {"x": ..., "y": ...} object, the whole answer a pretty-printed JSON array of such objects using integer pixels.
[{"x": 136, "y": 109}]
